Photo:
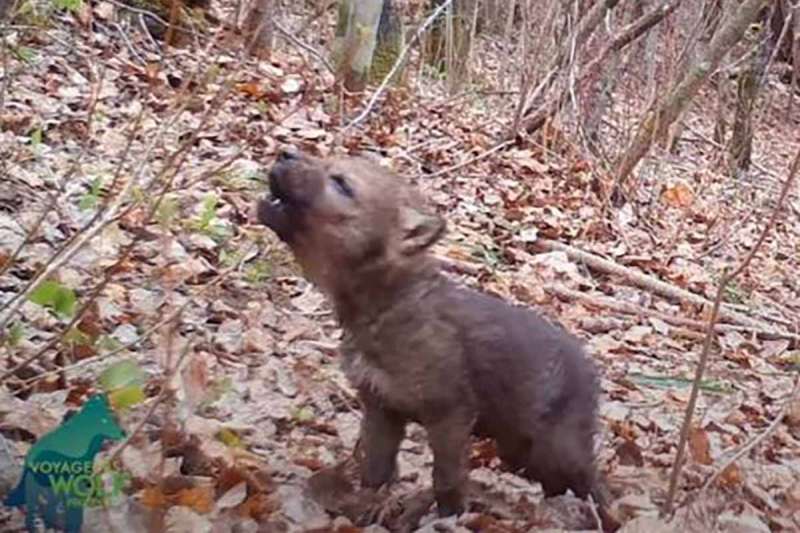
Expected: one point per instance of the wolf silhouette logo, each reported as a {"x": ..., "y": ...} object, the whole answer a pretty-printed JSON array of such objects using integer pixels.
[{"x": 58, "y": 478}]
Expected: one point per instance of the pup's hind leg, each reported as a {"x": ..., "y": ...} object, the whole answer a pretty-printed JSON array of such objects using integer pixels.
[
  {"x": 566, "y": 461},
  {"x": 514, "y": 451},
  {"x": 562, "y": 457}
]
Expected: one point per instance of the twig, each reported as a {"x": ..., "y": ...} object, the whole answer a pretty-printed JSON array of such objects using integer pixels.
[
  {"x": 48, "y": 208},
  {"x": 701, "y": 365},
  {"x": 154, "y": 16},
  {"x": 99, "y": 221},
  {"x": 162, "y": 394},
  {"x": 134, "y": 52},
  {"x": 597, "y": 520},
  {"x": 300, "y": 44},
  {"x": 144, "y": 335},
  {"x": 173, "y": 163},
  {"x": 496, "y": 148},
  {"x": 741, "y": 452},
  {"x": 398, "y": 62}
]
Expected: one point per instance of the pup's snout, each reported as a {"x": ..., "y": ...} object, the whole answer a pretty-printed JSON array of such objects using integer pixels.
[{"x": 288, "y": 154}]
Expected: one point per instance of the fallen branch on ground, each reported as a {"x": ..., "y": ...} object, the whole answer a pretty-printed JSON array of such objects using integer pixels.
[
  {"x": 654, "y": 285},
  {"x": 633, "y": 309}
]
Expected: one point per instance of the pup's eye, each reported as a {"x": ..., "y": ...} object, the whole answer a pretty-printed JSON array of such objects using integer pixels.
[{"x": 342, "y": 186}]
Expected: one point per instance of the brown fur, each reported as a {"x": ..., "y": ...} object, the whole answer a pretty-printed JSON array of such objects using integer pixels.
[{"x": 419, "y": 347}]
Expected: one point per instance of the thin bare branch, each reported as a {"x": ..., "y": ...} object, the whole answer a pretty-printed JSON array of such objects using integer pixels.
[{"x": 704, "y": 355}]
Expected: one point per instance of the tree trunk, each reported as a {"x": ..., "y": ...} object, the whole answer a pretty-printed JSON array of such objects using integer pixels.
[
  {"x": 5, "y": 8},
  {"x": 597, "y": 99},
  {"x": 657, "y": 122},
  {"x": 354, "y": 43},
  {"x": 494, "y": 15},
  {"x": 795, "y": 58},
  {"x": 710, "y": 15},
  {"x": 259, "y": 28},
  {"x": 449, "y": 42},
  {"x": 748, "y": 85},
  {"x": 776, "y": 21},
  {"x": 389, "y": 43}
]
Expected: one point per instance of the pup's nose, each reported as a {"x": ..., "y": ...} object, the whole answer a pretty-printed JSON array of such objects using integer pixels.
[{"x": 288, "y": 154}]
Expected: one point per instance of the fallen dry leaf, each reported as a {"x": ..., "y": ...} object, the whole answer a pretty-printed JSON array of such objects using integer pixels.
[{"x": 700, "y": 446}]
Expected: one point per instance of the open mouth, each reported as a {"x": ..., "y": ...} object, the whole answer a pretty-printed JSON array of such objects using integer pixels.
[
  {"x": 279, "y": 209},
  {"x": 277, "y": 196}
]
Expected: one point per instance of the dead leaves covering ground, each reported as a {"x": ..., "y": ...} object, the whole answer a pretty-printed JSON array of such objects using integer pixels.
[{"x": 260, "y": 405}]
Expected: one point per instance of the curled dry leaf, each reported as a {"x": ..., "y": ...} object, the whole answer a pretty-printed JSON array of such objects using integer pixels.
[
  {"x": 731, "y": 477},
  {"x": 700, "y": 446},
  {"x": 678, "y": 195}
]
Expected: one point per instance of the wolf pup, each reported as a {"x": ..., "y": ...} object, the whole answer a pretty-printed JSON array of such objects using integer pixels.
[{"x": 419, "y": 347}]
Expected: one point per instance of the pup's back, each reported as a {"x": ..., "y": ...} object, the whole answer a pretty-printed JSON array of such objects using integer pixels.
[{"x": 536, "y": 390}]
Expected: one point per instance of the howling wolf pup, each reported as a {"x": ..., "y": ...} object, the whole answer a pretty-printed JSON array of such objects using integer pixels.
[{"x": 419, "y": 347}]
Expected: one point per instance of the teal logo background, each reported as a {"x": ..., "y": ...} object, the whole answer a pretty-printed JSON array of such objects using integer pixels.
[{"x": 58, "y": 479}]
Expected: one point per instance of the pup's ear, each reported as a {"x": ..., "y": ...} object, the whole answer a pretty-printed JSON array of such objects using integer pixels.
[{"x": 419, "y": 230}]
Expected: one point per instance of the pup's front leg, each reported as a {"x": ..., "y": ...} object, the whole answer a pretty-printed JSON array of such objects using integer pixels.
[
  {"x": 381, "y": 433},
  {"x": 449, "y": 440}
]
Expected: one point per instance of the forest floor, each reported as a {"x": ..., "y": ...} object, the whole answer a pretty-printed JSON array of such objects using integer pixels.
[{"x": 261, "y": 404}]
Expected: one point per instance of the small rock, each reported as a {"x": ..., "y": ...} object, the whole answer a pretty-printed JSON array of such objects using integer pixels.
[
  {"x": 341, "y": 522},
  {"x": 258, "y": 340},
  {"x": 291, "y": 85},
  {"x": 202, "y": 242},
  {"x": 300, "y": 509},
  {"x": 245, "y": 526},
  {"x": 10, "y": 466},
  {"x": 229, "y": 336},
  {"x": 176, "y": 252},
  {"x": 145, "y": 301},
  {"x": 744, "y": 523},
  {"x": 125, "y": 333}
]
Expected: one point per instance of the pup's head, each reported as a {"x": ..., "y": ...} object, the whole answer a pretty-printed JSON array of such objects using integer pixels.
[{"x": 346, "y": 216}]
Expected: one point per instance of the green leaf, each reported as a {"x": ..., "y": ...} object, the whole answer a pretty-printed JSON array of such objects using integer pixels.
[
  {"x": 126, "y": 397},
  {"x": 167, "y": 211},
  {"x": 36, "y": 137},
  {"x": 55, "y": 296},
  {"x": 209, "y": 212},
  {"x": 108, "y": 343},
  {"x": 90, "y": 199},
  {"x": 15, "y": 334},
  {"x": 303, "y": 415},
  {"x": 122, "y": 374},
  {"x": 229, "y": 437},
  {"x": 87, "y": 202},
  {"x": 69, "y": 5},
  {"x": 76, "y": 337},
  {"x": 665, "y": 382},
  {"x": 24, "y": 54}
]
